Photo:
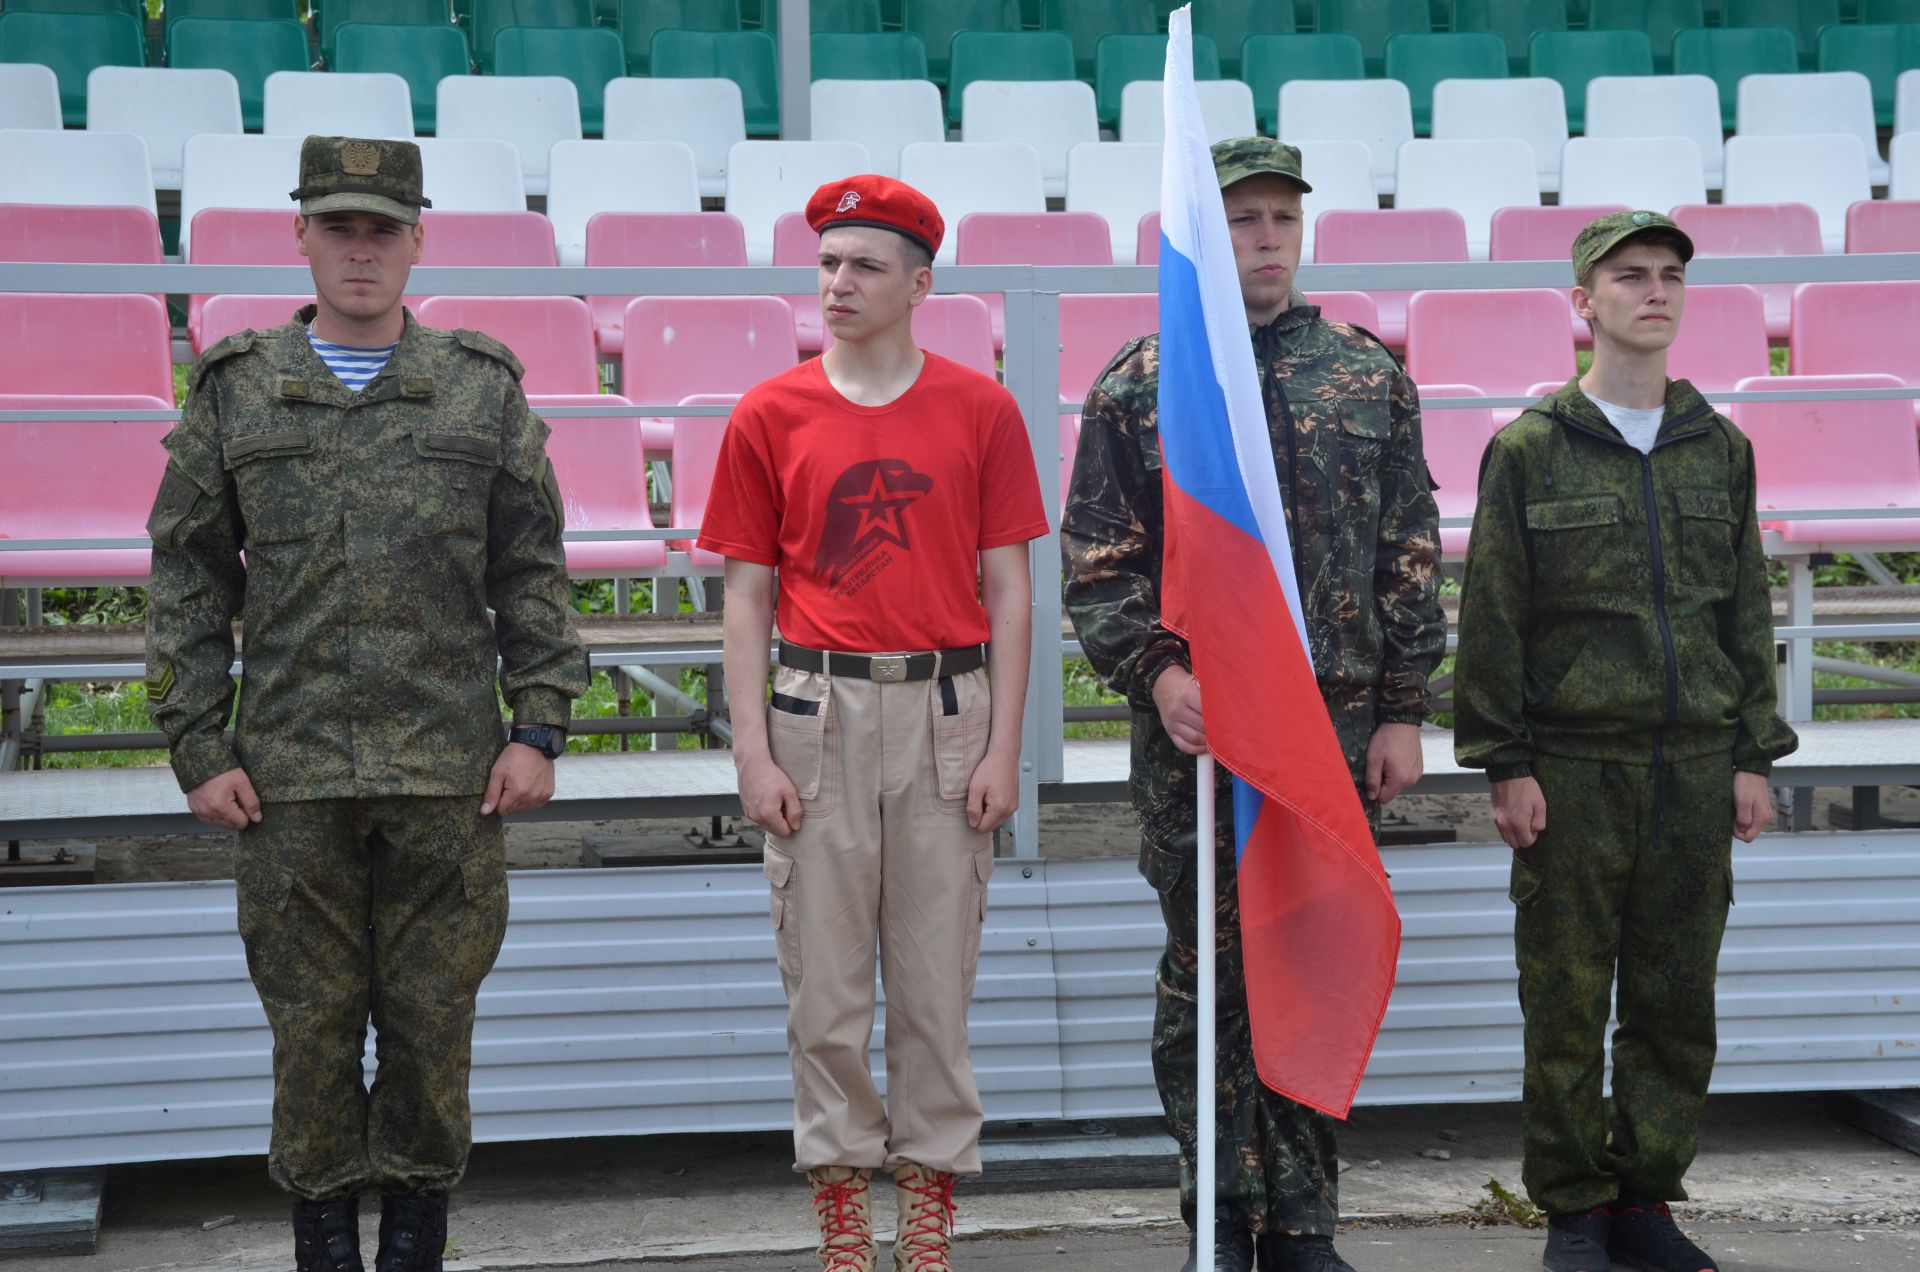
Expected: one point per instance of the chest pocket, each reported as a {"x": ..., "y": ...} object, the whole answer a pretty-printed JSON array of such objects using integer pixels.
[
  {"x": 1706, "y": 539},
  {"x": 274, "y": 478},
  {"x": 456, "y": 482},
  {"x": 1579, "y": 543}
]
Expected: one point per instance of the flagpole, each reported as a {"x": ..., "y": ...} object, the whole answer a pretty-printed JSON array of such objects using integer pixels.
[{"x": 1206, "y": 1146}]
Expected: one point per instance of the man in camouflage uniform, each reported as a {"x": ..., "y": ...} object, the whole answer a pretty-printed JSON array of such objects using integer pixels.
[
  {"x": 1345, "y": 422},
  {"x": 368, "y": 772},
  {"x": 1616, "y": 681}
]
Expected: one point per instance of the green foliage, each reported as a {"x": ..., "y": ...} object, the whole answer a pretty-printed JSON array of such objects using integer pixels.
[
  {"x": 97, "y": 709},
  {"x": 1083, "y": 689},
  {"x": 94, "y": 605},
  {"x": 1502, "y": 1205}
]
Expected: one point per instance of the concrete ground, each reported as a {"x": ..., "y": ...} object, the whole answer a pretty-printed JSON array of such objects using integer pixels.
[{"x": 1780, "y": 1186}]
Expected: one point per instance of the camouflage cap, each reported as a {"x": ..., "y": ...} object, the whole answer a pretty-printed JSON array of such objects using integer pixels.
[
  {"x": 1238, "y": 158},
  {"x": 1601, "y": 236},
  {"x": 358, "y": 174}
]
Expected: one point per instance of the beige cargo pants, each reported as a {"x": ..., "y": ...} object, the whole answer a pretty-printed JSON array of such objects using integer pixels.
[{"x": 883, "y": 853}]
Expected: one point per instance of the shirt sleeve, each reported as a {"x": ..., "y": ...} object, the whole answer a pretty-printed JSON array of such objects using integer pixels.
[
  {"x": 1406, "y": 578},
  {"x": 1489, "y": 720},
  {"x": 744, "y": 506},
  {"x": 1746, "y": 635},
  {"x": 1010, "y": 507}
]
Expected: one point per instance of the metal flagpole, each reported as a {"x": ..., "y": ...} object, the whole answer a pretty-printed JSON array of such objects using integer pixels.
[{"x": 1205, "y": 1147}]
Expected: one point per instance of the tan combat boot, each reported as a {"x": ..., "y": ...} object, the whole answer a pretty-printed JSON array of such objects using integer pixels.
[
  {"x": 846, "y": 1220},
  {"x": 923, "y": 1242}
]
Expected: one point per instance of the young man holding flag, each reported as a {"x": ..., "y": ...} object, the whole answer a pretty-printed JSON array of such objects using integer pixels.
[{"x": 1359, "y": 540}]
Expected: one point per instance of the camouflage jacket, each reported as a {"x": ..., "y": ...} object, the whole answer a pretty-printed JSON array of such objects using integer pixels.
[
  {"x": 1345, "y": 421},
  {"x": 379, "y": 528},
  {"x": 1616, "y": 604}
]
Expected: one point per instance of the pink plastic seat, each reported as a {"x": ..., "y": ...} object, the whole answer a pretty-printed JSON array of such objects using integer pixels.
[
  {"x": 115, "y": 234},
  {"x": 1029, "y": 238},
  {"x": 1857, "y": 454},
  {"x": 1857, "y": 329},
  {"x": 955, "y": 327},
  {"x": 1500, "y": 341},
  {"x": 224, "y": 315},
  {"x": 237, "y": 236},
  {"x": 1454, "y": 441},
  {"x": 1349, "y": 307},
  {"x": 1352, "y": 236},
  {"x": 655, "y": 240},
  {"x": 1092, "y": 331},
  {"x": 1884, "y": 225},
  {"x": 796, "y": 243},
  {"x": 601, "y": 464},
  {"x": 1147, "y": 247},
  {"x": 1541, "y": 234},
  {"x": 551, "y": 335},
  {"x": 66, "y": 344},
  {"x": 78, "y": 479},
  {"x": 677, "y": 346},
  {"x": 486, "y": 239},
  {"x": 1755, "y": 229},
  {"x": 696, "y": 454},
  {"x": 1723, "y": 338}
]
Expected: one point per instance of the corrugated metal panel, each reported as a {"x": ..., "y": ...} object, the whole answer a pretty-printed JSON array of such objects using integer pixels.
[{"x": 640, "y": 1001}]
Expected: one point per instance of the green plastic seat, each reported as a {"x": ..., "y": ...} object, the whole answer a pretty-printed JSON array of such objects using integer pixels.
[
  {"x": 72, "y": 44},
  {"x": 1421, "y": 61},
  {"x": 1229, "y": 22},
  {"x": 589, "y": 56},
  {"x": 1005, "y": 55},
  {"x": 1574, "y": 57},
  {"x": 490, "y": 17},
  {"x": 241, "y": 10},
  {"x": 131, "y": 8},
  {"x": 1371, "y": 22},
  {"x": 1879, "y": 51},
  {"x": 1087, "y": 22},
  {"x": 1515, "y": 21},
  {"x": 1724, "y": 55},
  {"x": 1805, "y": 18},
  {"x": 1660, "y": 19},
  {"x": 881, "y": 56},
  {"x": 393, "y": 12},
  {"x": 748, "y": 58},
  {"x": 937, "y": 21},
  {"x": 1118, "y": 60},
  {"x": 1889, "y": 12},
  {"x": 1268, "y": 61},
  {"x": 250, "y": 51},
  {"x": 639, "y": 19},
  {"x": 843, "y": 17},
  {"x": 421, "y": 55}
]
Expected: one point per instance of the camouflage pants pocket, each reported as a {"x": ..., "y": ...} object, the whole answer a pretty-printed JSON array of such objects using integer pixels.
[
  {"x": 778, "y": 866},
  {"x": 1524, "y": 883}
]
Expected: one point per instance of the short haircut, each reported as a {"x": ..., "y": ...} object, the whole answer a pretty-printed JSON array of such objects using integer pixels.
[
  {"x": 1659, "y": 236},
  {"x": 914, "y": 255}
]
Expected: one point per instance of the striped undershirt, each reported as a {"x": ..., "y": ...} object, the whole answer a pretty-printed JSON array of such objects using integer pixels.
[{"x": 353, "y": 367}]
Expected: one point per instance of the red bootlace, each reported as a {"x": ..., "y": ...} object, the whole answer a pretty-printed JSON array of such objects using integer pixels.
[
  {"x": 844, "y": 1237},
  {"x": 924, "y": 1239}
]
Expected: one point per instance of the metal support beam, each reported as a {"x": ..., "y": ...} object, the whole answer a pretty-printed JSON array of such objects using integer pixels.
[{"x": 796, "y": 68}]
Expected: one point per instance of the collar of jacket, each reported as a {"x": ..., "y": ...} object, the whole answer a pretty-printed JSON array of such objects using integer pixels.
[
  {"x": 406, "y": 352},
  {"x": 1570, "y": 405},
  {"x": 1295, "y": 316}
]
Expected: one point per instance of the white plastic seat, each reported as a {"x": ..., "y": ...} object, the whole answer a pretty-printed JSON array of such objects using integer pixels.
[
  {"x": 1474, "y": 178},
  {"x": 165, "y": 106},
  {"x": 1660, "y": 173},
  {"x": 882, "y": 115},
  {"x": 706, "y": 114},
  {"x": 1906, "y": 102},
  {"x": 236, "y": 172},
  {"x": 1226, "y": 109},
  {"x": 29, "y": 96},
  {"x": 1376, "y": 112},
  {"x": 1905, "y": 182},
  {"x": 1530, "y": 110},
  {"x": 1120, "y": 180},
  {"x": 44, "y": 166},
  {"x": 463, "y": 174},
  {"x": 767, "y": 178},
  {"x": 338, "y": 104},
  {"x": 1052, "y": 116},
  {"x": 615, "y": 176},
  {"x": 1341, "y": 174},
  {"x": 1829, "y": 173},
  {"x": 531, "y": 111},
  {"x": 1661, "y": 106},
  {"x": 1812, "y": 102},
  {"x": 974, "y": 176}
]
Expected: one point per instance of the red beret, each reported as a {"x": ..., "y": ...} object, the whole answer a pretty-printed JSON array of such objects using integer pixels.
[{"x": 880, "y": 202}]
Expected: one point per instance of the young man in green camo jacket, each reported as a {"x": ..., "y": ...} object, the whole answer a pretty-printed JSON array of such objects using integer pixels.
[{"x": 1616, "y": 681}]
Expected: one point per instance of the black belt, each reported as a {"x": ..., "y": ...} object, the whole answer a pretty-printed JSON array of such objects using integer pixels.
[{"x": 885, "y": 668}]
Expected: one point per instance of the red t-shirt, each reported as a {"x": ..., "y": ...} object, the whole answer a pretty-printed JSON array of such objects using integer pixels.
[{"x": 875, "y": 516}]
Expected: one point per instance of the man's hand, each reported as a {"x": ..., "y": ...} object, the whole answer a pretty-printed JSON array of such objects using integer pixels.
[
  {"x": 228, "y": 801},
  {"x": 521, "y": 781},
  {"x": 1519, "y": 811},
  {"x": 993, "y": 792},
  {"x": 1752, "y": 806},
  {"x": 768, "y": 796},
  {"x": 1176, "y": 695},
  {"x": 1394, "y": 761}
]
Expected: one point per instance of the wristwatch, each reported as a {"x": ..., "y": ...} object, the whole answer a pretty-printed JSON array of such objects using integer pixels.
[{"x": 544, "y": 738}]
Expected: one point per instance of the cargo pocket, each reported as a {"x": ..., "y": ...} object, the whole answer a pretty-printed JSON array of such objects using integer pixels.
[
  {"x": 1523, "y": 888},
  {"x": 178, "y": 496},
  {"x": 275, "y": 958},
  {"x": 1579, "y": 545},
  {"x": 778, "y": 868},
  {"x": 797, "y": 740},
  {"x": 962, "y": 709},
  {"x": 982, "y": 872},
  {"x": 1706, "y": 540},
  {"x": 1161, "y": 866}
]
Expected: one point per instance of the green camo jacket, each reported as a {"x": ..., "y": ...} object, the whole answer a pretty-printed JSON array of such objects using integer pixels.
[
  {"x": 1615, "y": 605},
  {"x": 1345, "y": 424},
  {"x": 379, "y": 528}
]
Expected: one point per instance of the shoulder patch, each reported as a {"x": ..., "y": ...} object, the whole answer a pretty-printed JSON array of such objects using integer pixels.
[
  {"x": 237, "y": 343},
  {"x": 486, "y": 346}
]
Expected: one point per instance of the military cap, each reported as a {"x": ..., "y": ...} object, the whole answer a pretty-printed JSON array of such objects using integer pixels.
[
  {"x": 879, "y": 202},
  {"x": 1238, "y": 158},
  {"x": 358, "y": 174},
  {"x": 1601, "y": 236}
]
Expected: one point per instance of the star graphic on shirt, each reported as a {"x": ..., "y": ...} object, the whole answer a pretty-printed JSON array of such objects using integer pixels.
[{"x": 879, "y": 509}]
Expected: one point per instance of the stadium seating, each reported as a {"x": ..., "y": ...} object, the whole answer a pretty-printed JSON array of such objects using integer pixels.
[
  {"x": 44, "y": 166},
  {"x": 87, "y": 343},
  {"x": 677, "y": 346},
  {"x": 250, "y": 51},
  {"x": 1542, "y": 234},
  {"x": 1269, "y": 62},
  {"x": 1515, "y": 21},
  {"x": 1350, "y": 237},
  {"x": 108, "y": 471},
  {"x": 1661, "y": 106},
  {"x": 1341, "y": 174},
  {"x": 1812, "y": 102},
  {"x": 1120, "y": 60},
  {"x": 705, "y": 114},
  {"x": 1226, "y": 109},
  {"x": 882, "y": 115},
  {"x": 1421, "y": 61},
  {"x": 886, "y": 55},
  {"x": 490, "y": 17},
  {"x": 1575, "y": 58},
  {"x": 1723, "y": 339},
  {"x": 1728, "y": 56},
  {"x": 1529, "y": 110},
  {"x": 1376, "y": 112},
  {"x": 234, "y": 236},
  {"x": 1087, "y": 22},
  {"x": 165, "y": 107},
  {"x": 1833, "y": 454},
  {"x": 1760, "y": 229},
  {"x": 1038, "y": 238},
  {"x": 1905, "y": 183},
  {"x": 1642, "y": 172},
  {"x": 1356, "y": 308},
  {"x": 1878, "y": 52},
  {"x": 1147, "y": 245},
  {"x": 228, "y": 10},
  {"x": 1093, "y": 329},
  {"x": 955, "y": 327},
  {"x": 337, "y": 104},
  {"x": 1856, "y": 328},
  {"x": 409, "y": 13},
  {"x": 532, "y": 112},
  {"x": 467, "y": 175},
  {"x": 936, "y": 22},
  {"x": 767, "y": 178},
  {"x": 650, "y": 239},
  {"x": 696, "y": 454},
  {"x": 237, "y": 172},
  {"x": 1802, "y": 19},
  {"x": 600, "y": 463},
  {"x": 1454, "y": 441},
  {"x": 1502, "y": 342},
  {"x": 589, "y": 177},
  {"x": 1884, "y": 225},
  {"x": 1906, "y": 102},
  {"x": 748, "y": 58},
  {"x": 551, "y": 335},
  {"x": 1045, "y": 56},
  {"x": 490, "y": 239},
  {"x": 1828, "y": 172},
  {"x": 1229, "y": 22},
  {"x": 1474, "y": 178},
  {"x": 796, "y": 243},
  {"x": 71, "y": 45},
  {"x": 29, "y": 96},
  {"x": 1053, "y": 117},
  {"x": 1371, "y": 22},
  {"x": 962, "y": 177},
  {"x": 223, "y": 316},
  {"x": 639, "y": 19},
  {"x": 1659, "y": 19},
  {"x": 110, "y": 233},
  {"x": 1118, "y": 180},
  {"x": 590, "y": 58},
  {"x": 421, "y": 55}
]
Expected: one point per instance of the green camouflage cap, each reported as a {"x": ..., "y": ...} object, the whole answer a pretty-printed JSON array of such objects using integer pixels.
[
  {"x": 1238, "y": 158},
  {"x": 358, "y": 174},
  {"x": 1610, "y": 231}
]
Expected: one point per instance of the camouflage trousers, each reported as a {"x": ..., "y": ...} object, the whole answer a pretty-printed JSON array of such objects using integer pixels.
[
  {"x": 1633, "y": 874},
  {"x": 390, "y": 910}
]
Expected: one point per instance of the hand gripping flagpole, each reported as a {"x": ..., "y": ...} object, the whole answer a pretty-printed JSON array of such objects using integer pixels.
[{"x": 1205, "y": 1143}]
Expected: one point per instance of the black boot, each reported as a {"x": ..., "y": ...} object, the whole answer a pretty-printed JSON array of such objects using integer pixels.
[
  {"x": 1577, "y": 1241},
  {"x": 1644, "y": 1236},
  {"x": 326, "y": 1235},
  {"x": 1232, "y": 1247},
  {"x": 413, "y": 1233},
  {"x": 1282, "y": 1253}
]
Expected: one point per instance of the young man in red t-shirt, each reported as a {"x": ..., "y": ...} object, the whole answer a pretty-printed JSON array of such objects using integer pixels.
[{"x": 894, "y": 492}]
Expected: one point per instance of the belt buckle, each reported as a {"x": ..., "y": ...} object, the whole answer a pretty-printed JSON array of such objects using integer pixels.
[{"x": 889, "y": 669}]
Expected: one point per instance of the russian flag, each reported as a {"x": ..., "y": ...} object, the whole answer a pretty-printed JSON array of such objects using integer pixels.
[{"x": 1319, "y": 932}]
